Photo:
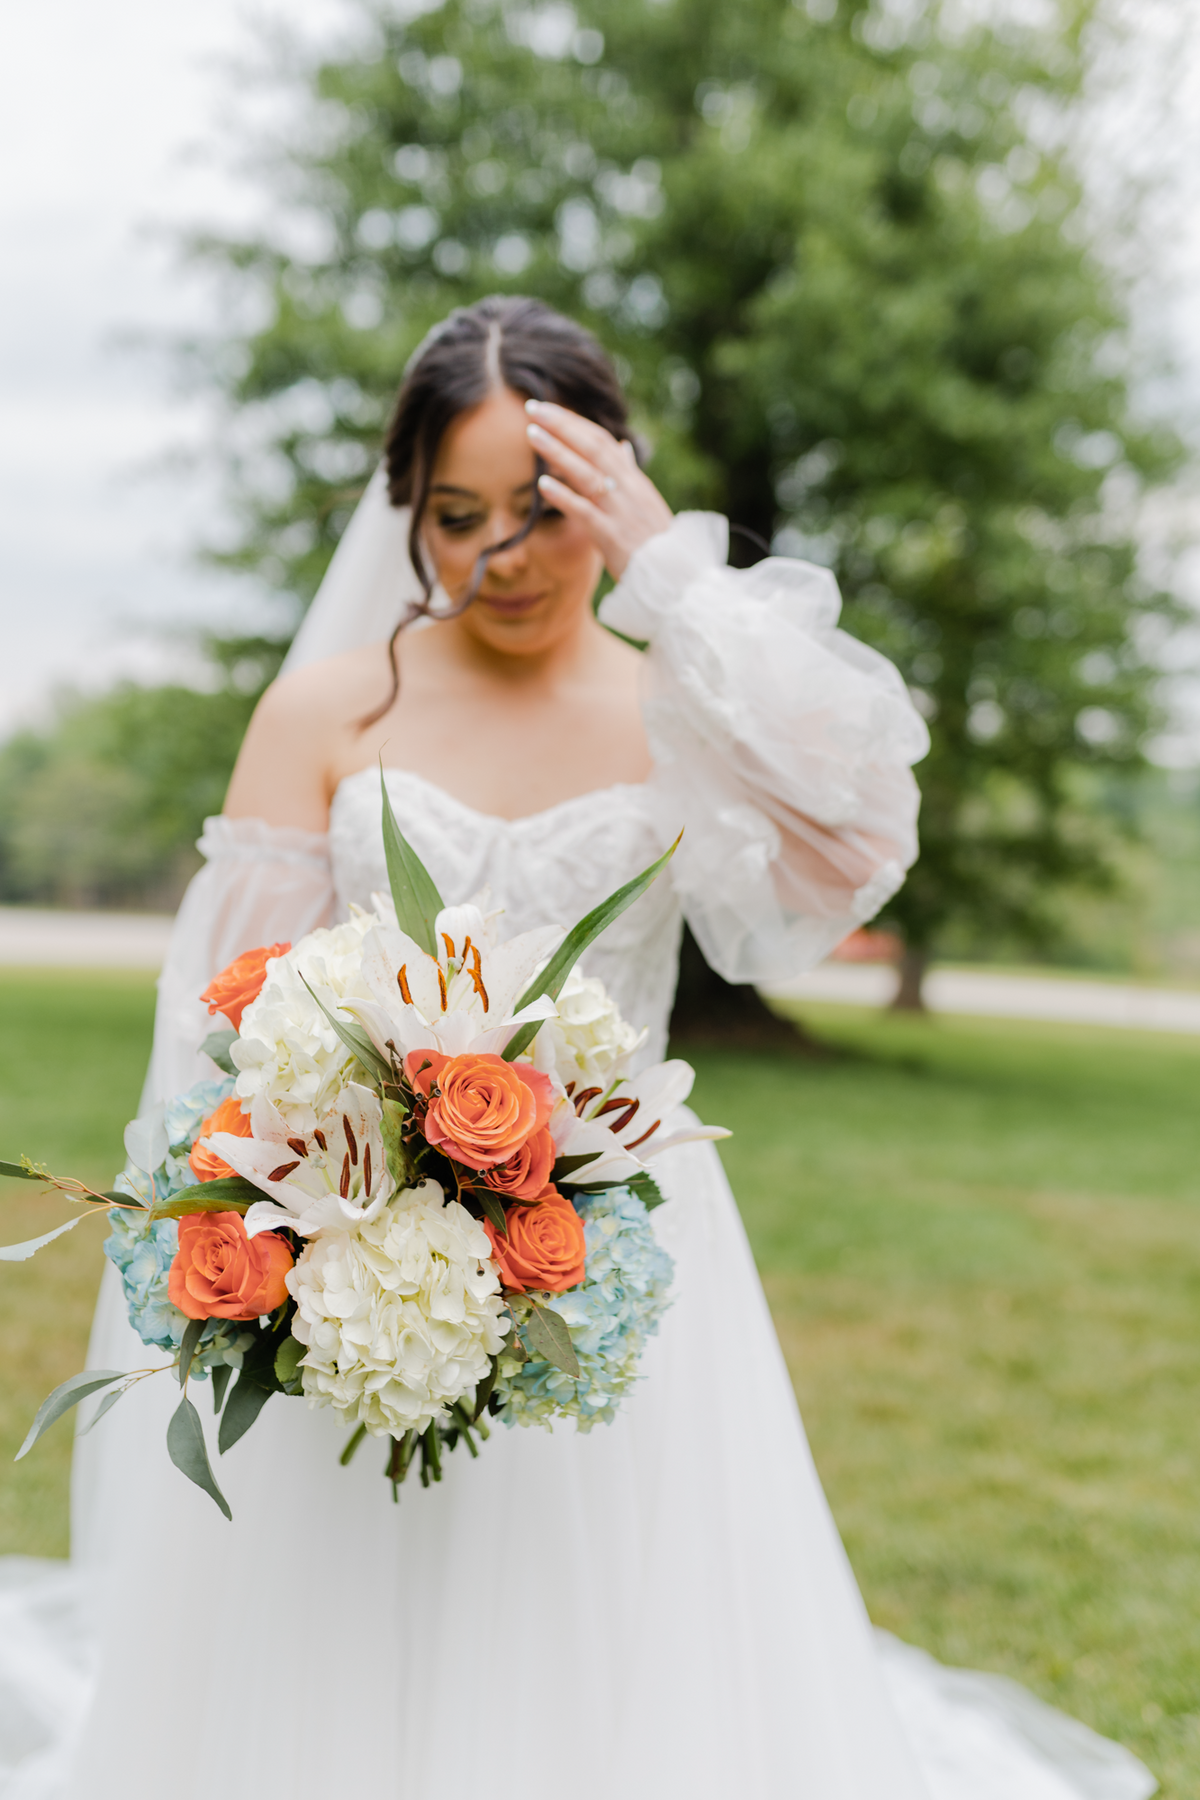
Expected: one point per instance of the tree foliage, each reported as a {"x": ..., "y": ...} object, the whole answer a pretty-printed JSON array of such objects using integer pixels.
[{"x": 840, "y": 252}]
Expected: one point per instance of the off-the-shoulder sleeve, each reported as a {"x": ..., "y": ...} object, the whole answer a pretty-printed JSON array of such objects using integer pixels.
[
  {"x": 260, "y": 884},
  {"x": 782, "y": 747}
]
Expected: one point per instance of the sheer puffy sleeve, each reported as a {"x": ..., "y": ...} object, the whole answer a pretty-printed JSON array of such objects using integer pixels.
[
  {"x": 261, "y": 884},
  {"x": 782, "y": 747}
]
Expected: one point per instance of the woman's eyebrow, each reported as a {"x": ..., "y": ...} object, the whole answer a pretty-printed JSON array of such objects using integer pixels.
[{"x": 448, "y": 487}]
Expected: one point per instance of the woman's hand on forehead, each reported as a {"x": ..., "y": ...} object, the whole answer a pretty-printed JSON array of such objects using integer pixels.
[{"x": 596, "y": 479}]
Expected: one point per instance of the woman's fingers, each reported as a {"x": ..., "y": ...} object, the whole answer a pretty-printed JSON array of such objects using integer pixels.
[
  {"x": 589, "y": 440},
  {"x": 583, "y": 475}
]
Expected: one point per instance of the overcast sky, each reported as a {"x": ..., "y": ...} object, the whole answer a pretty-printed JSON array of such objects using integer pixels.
[{"x": 99, "y": 108}]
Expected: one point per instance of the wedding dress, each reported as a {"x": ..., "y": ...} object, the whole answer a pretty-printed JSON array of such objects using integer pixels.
[{"x": 659, "y": 1608}]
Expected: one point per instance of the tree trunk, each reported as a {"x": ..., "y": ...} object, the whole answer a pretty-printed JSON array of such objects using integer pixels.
[
  {"x": 909, "y": 994},
  {"x": 711, "y": 1013}
]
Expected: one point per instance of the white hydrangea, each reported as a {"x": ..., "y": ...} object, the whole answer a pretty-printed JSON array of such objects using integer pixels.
[
  {"x": 287, "y": 1051},
  {"x": 400, "y": 1317},
  {"x": 589, "y": 1038}
]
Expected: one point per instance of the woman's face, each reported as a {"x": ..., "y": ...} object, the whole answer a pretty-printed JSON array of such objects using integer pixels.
[{"x": 535, "y": 594}]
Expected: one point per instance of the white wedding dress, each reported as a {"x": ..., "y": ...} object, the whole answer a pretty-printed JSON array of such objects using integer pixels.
[{"x": 663, "y": 1607}]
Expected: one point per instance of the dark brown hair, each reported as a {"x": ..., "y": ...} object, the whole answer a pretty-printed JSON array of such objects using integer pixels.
[{"x": 499, "y": 342}]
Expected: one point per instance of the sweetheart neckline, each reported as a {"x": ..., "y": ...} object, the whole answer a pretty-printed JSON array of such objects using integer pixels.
[{"x": 464, "y": 806}]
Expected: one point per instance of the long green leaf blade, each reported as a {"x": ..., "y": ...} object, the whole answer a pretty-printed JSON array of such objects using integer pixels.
[
  {"x": 189, "y": 1453},
  {"x": 246, "y": 1400},
  {"x": 64, "y": 1397},
  {"x": 356, "y": 1041},
  {"x": 414, "y": 895},
  {"x": 551, "y": 979},
  {"x": 18, "y": 1172}
]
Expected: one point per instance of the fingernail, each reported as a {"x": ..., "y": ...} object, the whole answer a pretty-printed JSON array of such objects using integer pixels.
[
  {"x": 535, "y": 431},
  {"x": 532, "y": 405}
]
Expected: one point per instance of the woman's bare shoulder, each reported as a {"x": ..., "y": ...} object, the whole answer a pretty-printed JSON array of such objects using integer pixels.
[{"x": 295, "y": 741}]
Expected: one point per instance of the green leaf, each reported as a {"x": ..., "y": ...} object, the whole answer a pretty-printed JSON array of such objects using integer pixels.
[
  {"x": 356, "y": 1041},
  {"x": 392, "y": 1129},
  {"x": 216, "y": 1047},
  {"x": 566, "y": 1166},
  {"x": 492, "y": 1207},
  {"x": 19, "y": 1172},
  {"x": 642, "y": 1184},
  {"x": 546, "y": 1332},
  {"x": 64, "y": 1397},
  {"x": 287, "y": 1364},
  {"x": 551, "y": 979},
  {"x": 414, "y": 895},
  {"x": 221, "y": 1375},
  {"x": 483, "y": 1392},
  {"x": 188, "y": 1451},
  {"x": 232, "y": 1193},
  {"x": 188, "y": 1346},
  {"x": 241, "y": 1409},
  {"x": 110, "y": 1400}
]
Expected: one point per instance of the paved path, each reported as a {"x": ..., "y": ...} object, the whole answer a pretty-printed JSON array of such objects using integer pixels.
[
  {"x": 34, "y": 938},
  {"x": 1001, "y": 996}
]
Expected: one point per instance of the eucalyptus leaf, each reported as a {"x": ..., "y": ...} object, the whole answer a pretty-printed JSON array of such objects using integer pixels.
[
  {"x": 551, "y": 979},
  {"x": 216, "y": 1048},
  {"x": 392, "y": 1129},
  {"x": 188, "y": 1451},
  {"x": 18, "y": 1172},
  {"x": 22, "y": 1252},
  {"x": 414, "y": 895},
  {"x": 110, "y": 1400},
  {"x": 232, "y": 1193},
  {"x": 64, "y": 1397},
  {"x": 287, "y": 1363},
  {"x": 193, "y": 1331},
  {"x": 221, "y": 1376},
  {"x": 546, "y": 1333},
  {"x": 356, "y": 1041},
  {"x": 243, "y": 1406}
]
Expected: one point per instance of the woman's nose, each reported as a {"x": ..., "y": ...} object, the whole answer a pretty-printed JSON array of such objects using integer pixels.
[{"x": 509, "y": 563}]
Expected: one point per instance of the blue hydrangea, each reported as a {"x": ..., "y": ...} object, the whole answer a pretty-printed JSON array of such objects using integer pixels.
[
  {"x": 144, "y": 1252},
  {"x": 609, "y": 1316}
]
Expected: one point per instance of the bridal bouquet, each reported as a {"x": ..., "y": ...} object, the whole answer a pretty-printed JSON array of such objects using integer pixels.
[{"x": 418, "y": 1192}]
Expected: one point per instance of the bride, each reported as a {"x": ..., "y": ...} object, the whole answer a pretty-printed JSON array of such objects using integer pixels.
[{"x": 661, "y": 1608}]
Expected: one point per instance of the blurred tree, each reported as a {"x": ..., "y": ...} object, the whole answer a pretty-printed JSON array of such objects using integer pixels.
[
  {"x": 106, "y": 806},
  {"x": 841, "y": 254}
]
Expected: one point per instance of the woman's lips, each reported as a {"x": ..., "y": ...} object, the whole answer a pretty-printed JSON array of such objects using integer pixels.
[{"x": 512, "y": 606}]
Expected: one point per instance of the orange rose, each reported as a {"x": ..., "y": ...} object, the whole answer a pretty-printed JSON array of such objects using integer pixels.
[
  {"x": 524, "y": 1176},
  {"x": 484, "y": 1108},
  {"x": 206, "y": 1164},
  {"x": 544, "y": 1248},
  {"x": 234, "y": 988},
  {"x": 220, "y": 1273}
]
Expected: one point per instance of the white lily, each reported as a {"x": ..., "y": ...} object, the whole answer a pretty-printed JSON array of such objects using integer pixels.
[
  {"x": 462, "y": 999},
  {"x": 621, "y": 1125},
  {"x": 330, "y": 1178}
]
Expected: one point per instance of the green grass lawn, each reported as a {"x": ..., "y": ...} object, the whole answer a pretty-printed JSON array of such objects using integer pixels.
[{"x": 981, "y": 1242}]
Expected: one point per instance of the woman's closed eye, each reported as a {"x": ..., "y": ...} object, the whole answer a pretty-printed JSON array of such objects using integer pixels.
[{"x": 460, "y": 523}]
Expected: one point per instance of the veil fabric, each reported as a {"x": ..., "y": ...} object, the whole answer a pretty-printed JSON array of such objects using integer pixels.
[{"x": 369, "y": 585}]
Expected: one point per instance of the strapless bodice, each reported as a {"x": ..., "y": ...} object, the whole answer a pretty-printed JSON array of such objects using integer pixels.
[{"x": 549, "y": 868}]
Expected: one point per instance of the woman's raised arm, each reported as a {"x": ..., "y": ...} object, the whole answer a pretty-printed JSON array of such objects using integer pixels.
[{"x": 782, "y": 747}]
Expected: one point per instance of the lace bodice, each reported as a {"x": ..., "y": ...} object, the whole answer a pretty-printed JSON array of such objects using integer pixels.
[
  {"x": 781, "y": 748},
  {"x": 548, "y": 869}
]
